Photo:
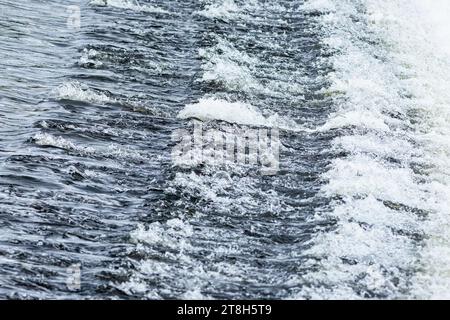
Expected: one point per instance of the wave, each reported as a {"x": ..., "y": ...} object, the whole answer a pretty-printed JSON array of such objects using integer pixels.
[
  {"x": 238, "y": 9},
  {"x": 233, "y": 112},
  {"x": 79, "y": 92},
  {"x": 89, "y": 58},
  {"x": 76, "y": 91},
  {"x": 224, "y": 9},
  {"x": 210, "y": 109},
  {"x": 127, "y": 4},
  {"x": 111, "y": 151},
  {"x": 235, "y": 70}
]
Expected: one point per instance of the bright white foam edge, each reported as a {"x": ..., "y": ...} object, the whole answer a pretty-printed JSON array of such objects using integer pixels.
[
  {"x": 209, "y": 109},
  {"x": 127, "y": 4},
  {"x": 214, "y": 109}
]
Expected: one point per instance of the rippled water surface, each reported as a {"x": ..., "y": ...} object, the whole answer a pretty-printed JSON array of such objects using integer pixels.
[{"x": 356, "y": 88}]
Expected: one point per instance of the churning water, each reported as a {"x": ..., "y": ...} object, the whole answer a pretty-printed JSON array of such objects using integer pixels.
[{"x": 92, "y": 204}]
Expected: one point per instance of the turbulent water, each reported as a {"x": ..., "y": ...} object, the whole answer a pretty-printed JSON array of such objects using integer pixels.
[{"x": 358, "y": 90}]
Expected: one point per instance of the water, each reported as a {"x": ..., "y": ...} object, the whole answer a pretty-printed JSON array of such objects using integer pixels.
[{"x": 89, "y": 190}]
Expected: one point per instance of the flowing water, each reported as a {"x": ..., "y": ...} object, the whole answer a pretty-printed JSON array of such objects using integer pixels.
[{"x": 92, "y": 204}]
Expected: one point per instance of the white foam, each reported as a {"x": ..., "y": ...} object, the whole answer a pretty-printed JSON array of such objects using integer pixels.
[
  {"x": 172, "y": 235},
  {"x": 237, "y": 71},
  {"x": 239, "y": 9},
  {"x": 111, "y": 151},
  {"x": 435, "y": 15},
  {"x": 89, "y": 57},
  {"x": 209, "y": 109},
  {"x": 229, "y": 66},
  {"x": 179, "y": 273},
  {"x": 127, "y": 4},
  {"x": 404, "y": 71},
  {"x": 224, "y": 9},
  {"x": 76, "y": 91},
  {"x": 319, "y": 5},
  {"x": 231, "y": 74},
  {"x": 45, "y": 139}
]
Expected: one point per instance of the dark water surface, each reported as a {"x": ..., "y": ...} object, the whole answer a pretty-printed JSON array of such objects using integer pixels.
[{"x": 86, "y": 174}]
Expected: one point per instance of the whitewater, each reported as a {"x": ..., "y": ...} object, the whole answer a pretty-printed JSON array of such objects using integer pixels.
[{"x": 356, "y": 91}]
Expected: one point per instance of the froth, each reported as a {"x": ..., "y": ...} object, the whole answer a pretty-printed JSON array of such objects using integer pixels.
[{"x": 391, "y": 70}]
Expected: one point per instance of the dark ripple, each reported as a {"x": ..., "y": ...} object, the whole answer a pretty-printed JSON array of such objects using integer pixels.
[{"x": 62, "y": 205}]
